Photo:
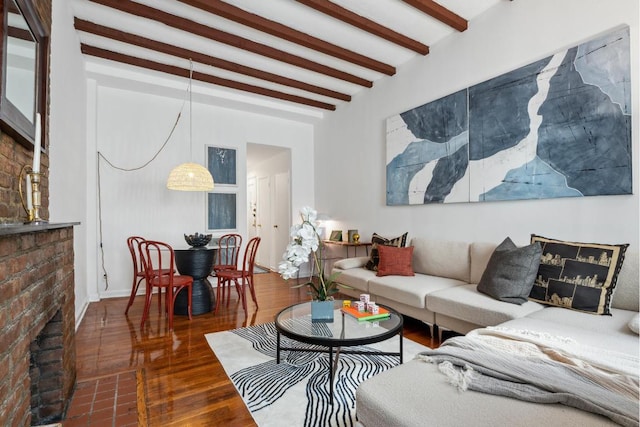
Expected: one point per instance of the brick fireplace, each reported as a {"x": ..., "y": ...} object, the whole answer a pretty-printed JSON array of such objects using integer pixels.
[{"x": 37, "y": 323}]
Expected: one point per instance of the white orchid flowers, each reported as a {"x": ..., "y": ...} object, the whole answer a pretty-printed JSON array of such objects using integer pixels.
[{"x": 304, "y": 242}]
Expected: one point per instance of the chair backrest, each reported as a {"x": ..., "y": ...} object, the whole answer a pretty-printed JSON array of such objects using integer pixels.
[
  {"x": 156, "y": 256},
  {"x": 133, "y": 243},
  {"x": 228, "y": 249},
  {"x": 250, "y": 255}
]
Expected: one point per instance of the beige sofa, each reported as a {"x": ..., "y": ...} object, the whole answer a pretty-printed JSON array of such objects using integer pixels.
[{"x": 443, "y": 292}]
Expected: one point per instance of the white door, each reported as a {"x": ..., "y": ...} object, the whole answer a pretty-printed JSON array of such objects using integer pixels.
[
  {"x": 265, "y": 223},
  {"x": 281, "y": 216},
  {"x": 252, "y": 208}
]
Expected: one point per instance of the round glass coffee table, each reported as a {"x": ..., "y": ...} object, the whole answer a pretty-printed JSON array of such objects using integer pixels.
[{"x": 295, "y": 323}]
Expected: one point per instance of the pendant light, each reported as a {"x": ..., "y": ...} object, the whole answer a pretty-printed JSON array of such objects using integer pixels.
[{"x": 190, "y": 176}]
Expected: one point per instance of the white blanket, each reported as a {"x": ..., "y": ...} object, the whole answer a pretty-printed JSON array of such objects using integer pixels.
[{"x": 542, "y": 368}]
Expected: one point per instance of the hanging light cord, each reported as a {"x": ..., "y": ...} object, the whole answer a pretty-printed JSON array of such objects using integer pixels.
[
  {"x": 120, "y": 168},
  {"x": 190, "y": 109}
]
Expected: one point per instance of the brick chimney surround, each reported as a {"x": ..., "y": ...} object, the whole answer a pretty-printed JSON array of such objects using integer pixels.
[{"x": 37, "y": 314}]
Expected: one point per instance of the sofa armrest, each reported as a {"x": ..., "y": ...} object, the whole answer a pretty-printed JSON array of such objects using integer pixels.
[{"x": 348, "y": 263}]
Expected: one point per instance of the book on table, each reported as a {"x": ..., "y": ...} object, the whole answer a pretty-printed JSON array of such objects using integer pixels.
[{"x": 366, "y": 315}]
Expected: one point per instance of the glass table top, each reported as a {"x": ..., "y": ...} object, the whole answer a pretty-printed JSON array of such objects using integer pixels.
[{"x": 345, "y": 330}]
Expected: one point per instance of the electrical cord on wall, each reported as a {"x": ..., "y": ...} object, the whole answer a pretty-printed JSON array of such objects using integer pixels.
[{"x": 120, "y": 168}]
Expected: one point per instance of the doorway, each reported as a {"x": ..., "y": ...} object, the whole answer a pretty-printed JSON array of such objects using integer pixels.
[{"x": 269, "y": 200}]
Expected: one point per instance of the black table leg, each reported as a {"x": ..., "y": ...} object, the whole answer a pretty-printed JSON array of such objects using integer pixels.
[
  {"x": 401, "y": 345},
  {"x": 278, "y": 347},
  {"x": 331, "y": 373}
]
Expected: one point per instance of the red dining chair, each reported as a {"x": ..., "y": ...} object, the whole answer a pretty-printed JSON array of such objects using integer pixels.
[
  {"x": 133, "y": 243},
  {"x": 154, "y": 256},
  {"x": 138, "y": 269},
  {"x": 242, "y": 277},
  {"x": 226, "y": 259}
]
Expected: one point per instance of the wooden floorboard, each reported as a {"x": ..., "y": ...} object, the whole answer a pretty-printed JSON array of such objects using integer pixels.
[{"x": 184, "y": 383}]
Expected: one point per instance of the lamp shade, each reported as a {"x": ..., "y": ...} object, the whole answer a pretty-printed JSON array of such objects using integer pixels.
[{"x": 190, "y": 177}]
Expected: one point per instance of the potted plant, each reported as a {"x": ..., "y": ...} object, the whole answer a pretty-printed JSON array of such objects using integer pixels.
[{"x": 305, "y": 242}]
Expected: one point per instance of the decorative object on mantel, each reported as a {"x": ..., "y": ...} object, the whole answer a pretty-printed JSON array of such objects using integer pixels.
[
  {"x": 351, "y": 236},
  {"x": 31, "y": 176},
  {"x": 305, "y": 242},
  {"x": 190, "y": 176},
  {"x": 557, "y": 127},
  {"x": 197, "y": 240}
]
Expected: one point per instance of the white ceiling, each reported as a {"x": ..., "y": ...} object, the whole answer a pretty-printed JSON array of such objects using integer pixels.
[{"x": 396, "y": 15}]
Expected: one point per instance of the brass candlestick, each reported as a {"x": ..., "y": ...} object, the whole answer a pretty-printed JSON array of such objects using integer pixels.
[{"x": 33, "y": 213}]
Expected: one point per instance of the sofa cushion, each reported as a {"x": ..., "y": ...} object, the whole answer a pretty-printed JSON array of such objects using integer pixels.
[
  {"x": 466, "y": 303},
  {"x": 376, "y": 239},
  {"x": 395, "y": 261},
  {"x": 410, "y": 290},
  {"x": 347, "y": 263},
  {"x": 626, "y": 294},
  {"x": 479, "y": 255},
  {"x": 441, "y": 258},
  {"x": 417, "y": 394},
  {"x": 579, "y": 276},
  {"x": 634, "y": 324},
  {"x": 606, "y": 332},
  {"x": 510, "y": 272},
  {"x": 356, "y": 278}
]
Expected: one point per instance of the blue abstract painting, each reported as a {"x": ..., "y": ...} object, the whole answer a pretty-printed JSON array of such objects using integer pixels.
[
  {"x": 221, "y": 162},
  {"x": 221, "y": 211},
  {"x": 559, "y": 127}
]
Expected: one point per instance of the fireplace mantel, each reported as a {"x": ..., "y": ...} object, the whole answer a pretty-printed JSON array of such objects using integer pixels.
[{"x": 9, "y": 229}]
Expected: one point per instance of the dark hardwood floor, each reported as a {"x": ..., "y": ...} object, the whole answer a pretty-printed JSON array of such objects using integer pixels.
[{"x": 180, "y": 381}]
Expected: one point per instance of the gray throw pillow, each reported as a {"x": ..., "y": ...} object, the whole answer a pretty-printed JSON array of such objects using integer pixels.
[{"x": 510, "y": 272}]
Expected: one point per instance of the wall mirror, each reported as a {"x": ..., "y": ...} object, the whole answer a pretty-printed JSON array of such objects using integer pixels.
[{"x": 24, "y": 71}]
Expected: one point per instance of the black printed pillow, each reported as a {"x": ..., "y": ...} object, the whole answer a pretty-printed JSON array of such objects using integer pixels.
[
  {"x": 376, "y": 239},
  {"x": 578, "y": 276}
]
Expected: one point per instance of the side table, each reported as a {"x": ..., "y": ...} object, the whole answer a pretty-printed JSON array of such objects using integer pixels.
[
  {"x": 348, "y": 245},
  {"x": 197, "y": 263}
]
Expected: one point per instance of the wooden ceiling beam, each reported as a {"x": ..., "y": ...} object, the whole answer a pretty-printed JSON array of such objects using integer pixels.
[
  {"x": 372, "y": 27},
  {"x": 289, "y": 34},
  {"x": 440, "y": 13},
  {"x": 121, "y": 36},
  {"x": 143, "y": 11},
  {"x": 182, "y": 72}
]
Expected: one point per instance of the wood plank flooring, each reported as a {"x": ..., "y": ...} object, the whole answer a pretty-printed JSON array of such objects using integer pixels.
[{"x": 183, "y": 382}]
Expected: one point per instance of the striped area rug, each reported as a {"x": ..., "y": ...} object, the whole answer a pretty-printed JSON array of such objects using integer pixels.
[{"x": 296, "y": 391}]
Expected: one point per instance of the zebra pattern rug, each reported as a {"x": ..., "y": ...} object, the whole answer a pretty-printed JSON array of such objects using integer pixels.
[{"x": 296, "y": 391}]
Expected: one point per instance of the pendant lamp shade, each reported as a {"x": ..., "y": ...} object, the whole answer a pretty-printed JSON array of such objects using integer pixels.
[{"x": 190, "y": 177}]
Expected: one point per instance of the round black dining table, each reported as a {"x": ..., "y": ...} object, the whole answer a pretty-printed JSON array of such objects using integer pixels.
[{"x": 197, "y": 263}]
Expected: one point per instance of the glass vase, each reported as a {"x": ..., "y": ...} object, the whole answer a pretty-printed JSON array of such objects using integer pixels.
[{"x": 321, "y": 311}]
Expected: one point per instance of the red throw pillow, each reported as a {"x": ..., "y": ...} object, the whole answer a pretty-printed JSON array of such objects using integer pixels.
[{"x": 395, "y": 261}]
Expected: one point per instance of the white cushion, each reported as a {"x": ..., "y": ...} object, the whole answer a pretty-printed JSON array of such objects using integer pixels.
[
  {"x": 626, "y": 294},
  {"x": 417, "y": 394},
  {"x": 479, "y": 253},
  {"x": 410, "y": 290},
  {"x": 609, "y": 332},
  {"x": 634, "y": 323},
  {"x": 348, "y": 263},
  {"x": 439, "y": 258},
  {"x": 466, "y": 303},
  {"x": 357, "y": 278}
]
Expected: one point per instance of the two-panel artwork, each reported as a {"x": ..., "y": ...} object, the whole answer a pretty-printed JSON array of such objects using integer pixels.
[{"x": 559, "y": 127}]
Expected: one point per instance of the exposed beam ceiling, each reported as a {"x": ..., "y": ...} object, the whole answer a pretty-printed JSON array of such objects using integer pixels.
[{"x": 312, "y": 53}]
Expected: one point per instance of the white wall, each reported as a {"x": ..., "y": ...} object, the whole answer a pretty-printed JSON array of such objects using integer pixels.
[
  {"x": 350, "y": 144},
  {"x": 67, "y": 152},
  {"x": 130, "y": 127}
]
